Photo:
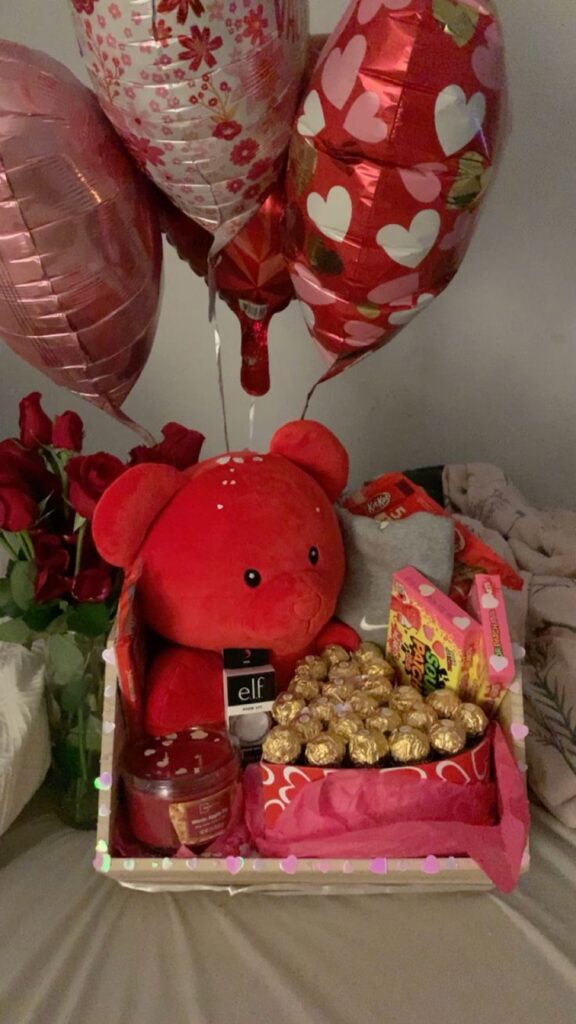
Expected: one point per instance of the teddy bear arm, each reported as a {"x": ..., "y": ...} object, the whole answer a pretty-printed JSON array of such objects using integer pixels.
[
  {"x": 336, "y": 632},
  {"x": 184, "y": 690}
]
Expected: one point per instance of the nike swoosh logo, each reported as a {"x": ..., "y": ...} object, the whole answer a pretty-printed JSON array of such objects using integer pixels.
[{"x": 370, "y": 627}]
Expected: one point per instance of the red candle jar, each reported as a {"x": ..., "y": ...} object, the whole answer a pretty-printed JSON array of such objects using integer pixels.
[{"x": 180, "y": 788}]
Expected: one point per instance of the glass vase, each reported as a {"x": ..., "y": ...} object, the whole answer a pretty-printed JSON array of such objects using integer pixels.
[{"x": 75, "y": 693}]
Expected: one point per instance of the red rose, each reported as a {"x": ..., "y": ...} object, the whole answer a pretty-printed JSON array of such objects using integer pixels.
[
  {"x": 68, "y": 432},
  {"x": 50, "y": 552},
  {"x": 49, "y": 585},
  {"x": 180, "y": 448},
  {"x": 18, "y": 510},
  {"x": 88, "y": 477},
  {"x": 35, "y": 425},
  {"x": 26, "y": 469},
  {"x": 93, "y": 584}
]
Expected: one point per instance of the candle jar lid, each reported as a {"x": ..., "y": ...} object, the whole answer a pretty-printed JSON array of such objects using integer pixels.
[
  {"x": 181, "y": 764},
  {"x": 180, "y": 787}
]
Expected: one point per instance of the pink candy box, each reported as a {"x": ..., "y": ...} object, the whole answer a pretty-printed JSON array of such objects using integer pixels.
[
  {"x": 493, "y": 671},
  {"x": 431, "y": 641}
]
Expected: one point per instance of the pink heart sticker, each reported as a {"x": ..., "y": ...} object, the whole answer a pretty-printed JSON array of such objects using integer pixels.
[
  {"x": 431, "y": 865},
  {"x": 519, "y": 730},
  {"x": 379, "y": 866},
  {"x": 289, "y": 865},
  {"x": 234, "y": 864},
  {"x": 324, "y": 866},
  {"x": 104, "y": 781},
  {"x": 422, "y": 181},
  {"x": 341, "y": 71},
  {"x": 363, "y": 122}
]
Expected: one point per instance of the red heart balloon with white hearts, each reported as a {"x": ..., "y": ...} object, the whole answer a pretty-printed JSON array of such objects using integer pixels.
[{"x": 390, "y": 158}]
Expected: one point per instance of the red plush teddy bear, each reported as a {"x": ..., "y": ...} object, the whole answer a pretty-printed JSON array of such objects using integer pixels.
[{"x": 243, "y": 550}]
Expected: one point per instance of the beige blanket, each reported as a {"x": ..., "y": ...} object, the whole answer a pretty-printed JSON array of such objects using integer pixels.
[{"x": 541, "y": 544}]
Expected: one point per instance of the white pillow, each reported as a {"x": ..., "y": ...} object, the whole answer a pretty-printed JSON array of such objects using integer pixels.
[{"x": 24, "y": 733}]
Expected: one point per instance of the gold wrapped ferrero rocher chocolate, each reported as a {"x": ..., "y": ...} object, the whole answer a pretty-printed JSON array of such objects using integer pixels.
[
  {"x": 306, "y": 726},
  {"x": 378, "y": 687},
  {"x": 367, "y": 748},
  {"x": 405, "y": 697},
  {"x": 286, "y": 708},
  {"x": 445, "y": 702},
  {"x": 421, "y": 716},
  {"x": 345, "y": 722},
  {"x": 447, "y": 737},
  {"x": 325, "y": 751},
  {"x": 377, "y": 669},
  {"x": 281, "y": 745},
  {"x": 345, "y": 670},
  {"x": 369, "y": 652},
  {"x": 385, "y": 720},
  {"x": 322, "y": 708},
  {"x": 314, "y": 665},
  {"x": 408, "y": 745},
  {"x": 362, "y": 703},
  {"x": 334, "y": 654},
  {"x": 472, "y": 718},
  {"x": 339, "y": 691},
  {"x": 305, "y": 687}
]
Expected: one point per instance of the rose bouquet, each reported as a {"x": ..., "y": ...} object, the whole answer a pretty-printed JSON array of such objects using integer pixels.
[{"x": 57, "y": 589}]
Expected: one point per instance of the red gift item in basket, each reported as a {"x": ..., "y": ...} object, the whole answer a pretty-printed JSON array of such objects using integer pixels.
[
  {"x": 358, "y": 814},
  {"x": 281, "y": 784}
]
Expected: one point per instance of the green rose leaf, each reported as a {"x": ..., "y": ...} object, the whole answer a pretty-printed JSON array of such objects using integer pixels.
[
  {"x": 22, "y": 584},
  {"x": 15, "y": 631},
  {"x": 39, "y": 616},
  {"x": 73, "y": 693},
  {"x": 7, "y": 604},
  {"x": 90, "y": 619},
  {"x": 65, "y": 658}
]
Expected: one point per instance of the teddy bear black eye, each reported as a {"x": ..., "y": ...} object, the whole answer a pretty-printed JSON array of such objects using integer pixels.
[
  {"x": 314, "y": 555},
  {"x": 252, "y": 578}
]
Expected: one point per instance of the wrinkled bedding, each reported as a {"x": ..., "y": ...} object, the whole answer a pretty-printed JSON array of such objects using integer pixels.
[{"x": 541, "y": 544}]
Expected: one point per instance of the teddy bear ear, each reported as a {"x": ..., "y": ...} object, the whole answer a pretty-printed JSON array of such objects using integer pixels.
[
  {"x": 316, "y": 450},
  {"x": 128, "y": 508}
]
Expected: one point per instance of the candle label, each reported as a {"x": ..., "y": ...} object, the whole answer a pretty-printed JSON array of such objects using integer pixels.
[{"x": 197, "y": 822}]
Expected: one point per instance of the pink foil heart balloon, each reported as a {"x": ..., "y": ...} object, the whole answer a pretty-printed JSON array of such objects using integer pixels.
[
  {"x": 80, "y": 247},
  {"x": 203, "y": 92}
]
